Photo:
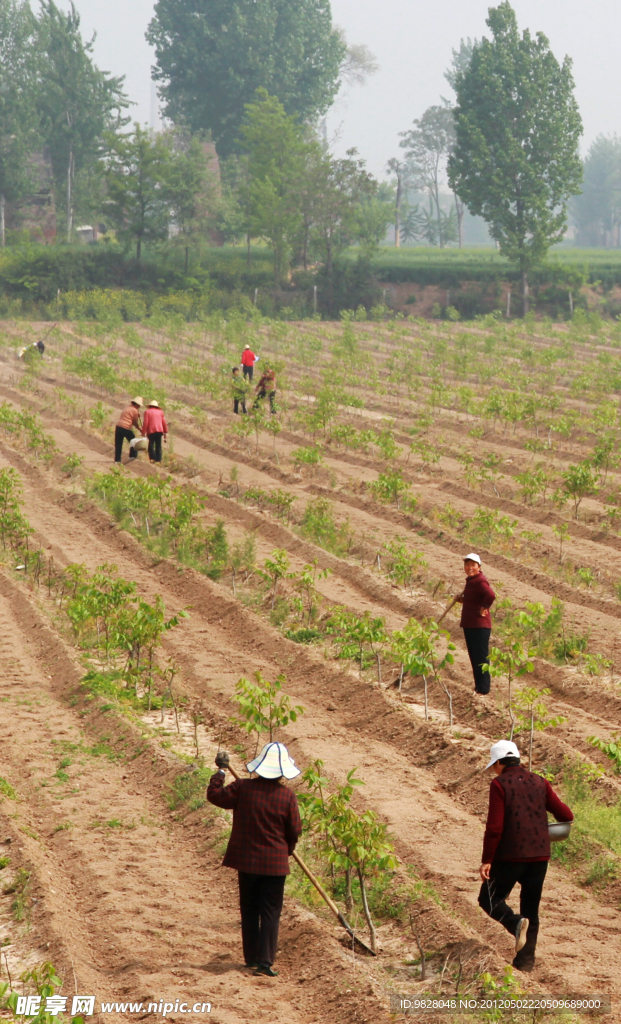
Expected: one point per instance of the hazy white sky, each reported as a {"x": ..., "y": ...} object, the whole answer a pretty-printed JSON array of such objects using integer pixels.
[{"x": 413, "y": 43}]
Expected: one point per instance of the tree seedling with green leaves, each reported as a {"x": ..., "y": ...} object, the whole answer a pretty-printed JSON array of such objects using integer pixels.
[
  {"x": 352, "y": 841},
  {"x": 611, "y": 748},
  {"x": 562, "y": 532},
  {"x": 263, "y": 707},
  {"x": 275, "y": 568},
  {"x": 535, "y": 717},
  {"x": 305, "y": 584},
  {"x": 513, "y": 662}
]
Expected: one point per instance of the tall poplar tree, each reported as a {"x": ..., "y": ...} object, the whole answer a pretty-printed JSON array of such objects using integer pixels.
[
  {"x": 18, "y": 113},
  {"x": 77, "y": 102},
  {"x": 213, "y": 55},
  {"x": 515, "y": 161}
]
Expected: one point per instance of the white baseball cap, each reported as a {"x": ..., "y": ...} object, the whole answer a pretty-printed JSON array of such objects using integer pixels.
[
  {"x": 472, "y": 557},
  {"x": 274, "y": 761},
  {"x": 504, "y": 748}
]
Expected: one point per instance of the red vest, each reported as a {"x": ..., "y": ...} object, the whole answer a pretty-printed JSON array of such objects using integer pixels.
[{"x": 525, "y": 833}]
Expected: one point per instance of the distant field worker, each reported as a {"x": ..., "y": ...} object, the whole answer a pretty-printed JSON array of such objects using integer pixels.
[
  {"x": 129, "y": 418},
  {"x": 266, "y": 828},
  {"x": 476, "y": 598},
  {"x": 516, "y": 847},
  {"x": 267, "y": 386},
  {"x": 239, "y": 387},
  {"x": 154, "y": 428},
  {"x": 248, "y": 360}
]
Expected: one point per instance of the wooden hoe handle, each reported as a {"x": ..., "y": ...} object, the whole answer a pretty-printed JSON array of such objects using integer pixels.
[{"x": 447, "y": 610}]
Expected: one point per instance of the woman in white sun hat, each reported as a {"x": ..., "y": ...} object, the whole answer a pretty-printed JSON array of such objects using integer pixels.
[
  {"x": 266, "y": 828},
  {"x": 476, "y": 599}
]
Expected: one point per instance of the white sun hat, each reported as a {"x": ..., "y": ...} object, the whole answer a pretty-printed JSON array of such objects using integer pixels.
[
  {"x": 472, "y": 558},
  {"x": 154, "y": 405},
  {"x": 137, "y": 400},
  {"x": 504, "y": 748},
  {"x": 274, "y": 761}
]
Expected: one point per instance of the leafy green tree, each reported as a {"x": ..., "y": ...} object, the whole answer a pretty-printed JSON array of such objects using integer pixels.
[
  {"x": 597, "y": 209},
  {"x": 18, "y": 114},
  {"x": 341, "y": 186},
  {"x": 212, "y": 56},
  {"x": 191, "y": 191},
  {"x": 275, "y": 147},
  {"x": 77, "y": 102},
  {"x": 427, "y": 147},
  {"x": 137, "y": 173},
  {"x": 400, "y": 172},
  {"x": 515, "y": 162}
]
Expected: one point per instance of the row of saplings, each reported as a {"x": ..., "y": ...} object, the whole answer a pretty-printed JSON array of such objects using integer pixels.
[{"x": 122, "y": 634}]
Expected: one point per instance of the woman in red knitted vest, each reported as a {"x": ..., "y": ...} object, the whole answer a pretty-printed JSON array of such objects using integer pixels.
[{"x": 516, "y": 847}]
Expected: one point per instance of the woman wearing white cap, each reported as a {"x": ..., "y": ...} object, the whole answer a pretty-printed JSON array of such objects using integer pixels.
[
  {"x": 477, "y": 597},
  {"x": 516, "y": 847},
  {"x": 266, "y": 828}
]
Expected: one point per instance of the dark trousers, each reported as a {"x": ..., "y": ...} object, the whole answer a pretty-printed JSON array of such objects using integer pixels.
[
  {"x": 155, "y": 446},
  {"x": 248, "y": 371},
  {"x": 236, "y": 404},
  {"x": 260, "y": 903},
  {"x": 503, "y": 876},
  {"x": 272, "y": 398},
  {"x": 123, "y": 434},
  {"x": 477, "y": 642}
]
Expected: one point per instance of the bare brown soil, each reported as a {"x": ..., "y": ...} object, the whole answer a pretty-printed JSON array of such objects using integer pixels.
[{"x": 141, "y": 909}]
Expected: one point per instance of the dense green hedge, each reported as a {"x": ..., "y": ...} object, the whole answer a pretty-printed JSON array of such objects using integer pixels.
[
  {"x": 450, "y": 268},
  {"x": 37, "y": 273}
]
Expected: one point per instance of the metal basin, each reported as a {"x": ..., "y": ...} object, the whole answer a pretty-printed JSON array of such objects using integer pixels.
[{"x": 559, "y": 830}]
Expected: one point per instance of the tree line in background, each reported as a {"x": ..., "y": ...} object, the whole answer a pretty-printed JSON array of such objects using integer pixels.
[{"x": 257, "y": 80}]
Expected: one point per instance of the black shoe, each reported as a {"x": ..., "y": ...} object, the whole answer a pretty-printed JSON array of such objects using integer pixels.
[
  {"x": 525, "y": 966},
  {"x": 265, "y": 969},
  {"x": 252, "y": 965},
  {"x": 520, "y": 934}
]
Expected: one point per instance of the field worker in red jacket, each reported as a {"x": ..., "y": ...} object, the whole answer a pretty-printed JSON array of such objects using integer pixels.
[
  {"x": 516, "y": 847},
  {"x": 477, "y": 597},
  {"x": 154, "y": 427},
  {"x": 266, "y": 828},
  {"x": 248, "y": 360},
  {"x": 129, "y": 418}
]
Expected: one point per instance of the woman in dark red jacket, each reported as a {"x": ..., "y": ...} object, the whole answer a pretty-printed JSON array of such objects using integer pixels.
[{"x": 476, "y": 598}]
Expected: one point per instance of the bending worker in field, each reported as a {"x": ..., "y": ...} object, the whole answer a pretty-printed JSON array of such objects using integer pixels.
[
  {"x": 267, "y": 387},
  {"x": 266, "y": 828},
  {"x": 516, "y": 847},
  {"x": 129, "y": 418},
  {"x": 477, "y": 597}
]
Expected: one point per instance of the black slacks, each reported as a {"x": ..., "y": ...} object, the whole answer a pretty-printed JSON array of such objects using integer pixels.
[
  {"x": 155, "y": 446},
  {"x": 272, "y": 397},
  {"x": 236, "y": 404},
  {"x": 477, "y": 642},
  {"x": 492, "y": 899},
  {"x": 260, "y": 903},
  {"x": 123, "y": 434},
  {"x": 248, "y": 371}
]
